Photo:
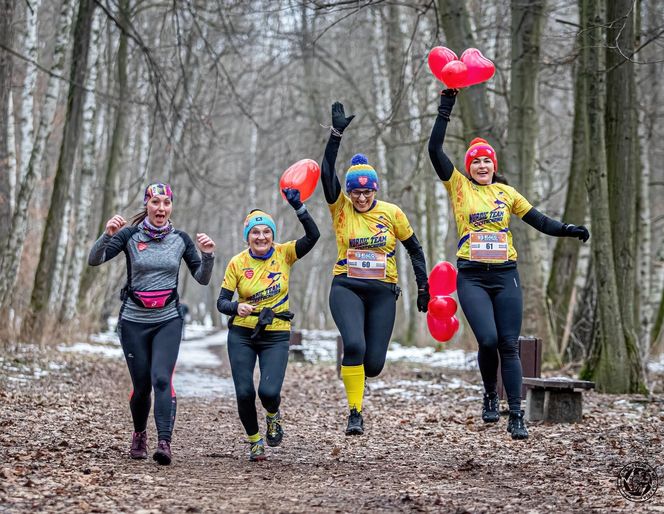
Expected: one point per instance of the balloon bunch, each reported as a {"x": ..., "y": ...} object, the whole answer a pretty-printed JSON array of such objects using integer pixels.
[
  {"x": 441, "y": 320},
  {"x": 303, "y": 176},
  {"x": 472, "y": 68}
]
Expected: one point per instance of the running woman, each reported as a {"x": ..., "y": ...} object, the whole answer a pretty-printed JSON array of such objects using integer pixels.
[
  {"x": 150, "y": 322},
  {"x": 259, "y": 326},
  {"x": 364, "y": 288},
  {"x": 488, "y": 281}
]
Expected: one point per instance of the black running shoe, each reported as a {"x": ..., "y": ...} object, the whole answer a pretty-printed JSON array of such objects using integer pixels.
[
  {"x": 163, "y": 454},
  {"x": 490, "y": 413},
  {"x": 274, "y": 433},
  {"x": 516, "y": 425},
  {"x": 355, "y": 423}
]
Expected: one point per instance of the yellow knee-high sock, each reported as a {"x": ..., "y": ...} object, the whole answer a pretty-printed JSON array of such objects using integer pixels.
[{"x": 353, "y": 377}]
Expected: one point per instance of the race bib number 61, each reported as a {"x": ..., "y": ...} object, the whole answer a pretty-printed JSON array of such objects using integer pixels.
[{"x": 488, "y": 246}]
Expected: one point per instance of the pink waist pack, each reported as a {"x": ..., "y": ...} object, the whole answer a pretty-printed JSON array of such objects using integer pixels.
[{"x": 153, "y": 299}]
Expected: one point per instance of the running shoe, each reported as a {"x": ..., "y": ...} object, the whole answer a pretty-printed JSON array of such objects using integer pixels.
[
  {"x": 355, "y": 423},
  {"x": 490, "y": 413},
  {"x": 274, "y": 433},
  {"x": 163, "y": 454},
  {"x": 257, "y": 451},
  {"x": 139, "y": 445},
  {"x": 516, "y": 425}
]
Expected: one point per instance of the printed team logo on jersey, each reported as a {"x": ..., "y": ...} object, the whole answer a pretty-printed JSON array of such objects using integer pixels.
[
  {"x": 248, "y": 272},
  {"x": 377, "y": 240},
  {"x": 274, "y": 277},
  {"x": 495, "y": 215}
]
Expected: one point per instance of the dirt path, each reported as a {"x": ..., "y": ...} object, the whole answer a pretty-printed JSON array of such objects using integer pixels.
[{"x": 64, "y": 441}]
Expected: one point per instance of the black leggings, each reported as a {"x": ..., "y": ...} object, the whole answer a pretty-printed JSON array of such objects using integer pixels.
[
  {"x": 492, "y": 302},
  {"x": 363, "y": 311},
  {"x": 151, "y": 350},
  {"x": 271, "y": 348}
]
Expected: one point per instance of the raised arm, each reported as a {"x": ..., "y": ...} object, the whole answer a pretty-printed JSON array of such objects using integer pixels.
[
  {"x": 311, "y": 234},
  {"x": 555, "y": 228},
  {"x": 331, "y": 185},
  {"x": 112, "y": 241},
  {"x": 199, "y": 267},
  {"x": 440, "y": 161}
]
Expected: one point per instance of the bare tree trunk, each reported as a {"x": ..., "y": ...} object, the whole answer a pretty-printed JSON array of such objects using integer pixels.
[
  {"x": 614, "y": 363},
  {"x": 566, "y": 253},
  {"x": 520, "y": 151},
  {"x": 43, "y": 281},
  {"x": 13, "y": 248},
  {"x": 6, "y": 65}
]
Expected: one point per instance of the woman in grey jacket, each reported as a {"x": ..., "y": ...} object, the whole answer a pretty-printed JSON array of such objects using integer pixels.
[{"x": 150, "y": 323}]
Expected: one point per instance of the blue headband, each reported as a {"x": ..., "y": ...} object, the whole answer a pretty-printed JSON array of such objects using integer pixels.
[
  {"x": 361, "y": 174},
  {"x": 259, "y": 218}
]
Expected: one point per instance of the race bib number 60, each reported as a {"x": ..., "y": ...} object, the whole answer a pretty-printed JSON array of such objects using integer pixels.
[
  {"x": 488, "y": 246},
  {"x": 366, "y": 264}
]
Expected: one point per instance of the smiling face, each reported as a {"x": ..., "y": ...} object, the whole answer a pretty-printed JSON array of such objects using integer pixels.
[
  {"x": 482, "y": 170},
  {"x": 260, "y": 239},
  {"x": 159, "y": 209},
  {"x": 362, "y": 199}
]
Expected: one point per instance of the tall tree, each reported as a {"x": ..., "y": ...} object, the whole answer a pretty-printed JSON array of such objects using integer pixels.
[
  {"x": 526, "y": 31},
  {"x": 71, "y": 135},
  {"x": 6, "y": 65},
  {"x": 614, "y": 363}
]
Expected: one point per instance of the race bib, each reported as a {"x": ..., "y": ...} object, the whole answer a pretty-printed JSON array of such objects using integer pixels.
[
  {"x": 367, "y": 264},
  {"x": 488, "y": 246}
]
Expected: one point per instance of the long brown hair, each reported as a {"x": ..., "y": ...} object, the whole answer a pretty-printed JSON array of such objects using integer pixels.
[{"x": 138, "y": 218}]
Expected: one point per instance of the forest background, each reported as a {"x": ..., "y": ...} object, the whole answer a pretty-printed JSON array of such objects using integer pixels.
[{"x": 100, "y": 97}]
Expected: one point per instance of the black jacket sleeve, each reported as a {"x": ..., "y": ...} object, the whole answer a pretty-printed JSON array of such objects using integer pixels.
[
  {"x": 440, "y": 161},
  {"x": 544, "y": 224},
  {"x": 199, "y": 267},
  {"x": 311, "y": 234},
  {"x": 225, "y": 305},
  {"x": 328, "y": 176},
  {"x": 417, "y": 259},
  {"x": 107, "y": 247}
]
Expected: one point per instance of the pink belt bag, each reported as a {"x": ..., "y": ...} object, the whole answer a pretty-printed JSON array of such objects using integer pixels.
[{"x": 152, "y": 299}]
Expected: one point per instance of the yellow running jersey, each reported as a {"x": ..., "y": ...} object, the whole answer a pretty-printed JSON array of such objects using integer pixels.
[
  {"x": 261, "y": 283},
  {"x": 367, "y": 240},
  {"x": 484, "y": 212}
]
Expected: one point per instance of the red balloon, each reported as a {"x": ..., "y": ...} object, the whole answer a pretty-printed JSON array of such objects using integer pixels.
[
  {"x": 303, "y": 176},
  {"x": 442, "y": 330},
  {"x": 480, "y": 69},
  {"x": 442, "y": 307},
  {"x": 442, "y": 279},
  {"x": 438, "y": 58},
  {"x": 455, "y": 74}
]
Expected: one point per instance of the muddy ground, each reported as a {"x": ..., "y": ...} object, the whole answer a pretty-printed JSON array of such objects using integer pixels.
[{"x": 64, "y": 440}]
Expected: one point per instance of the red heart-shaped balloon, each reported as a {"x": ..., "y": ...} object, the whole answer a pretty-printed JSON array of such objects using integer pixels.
[
  {"x": 303, "y": 175},
  {"x": 455, "y": 74},
  {"x": 438, "y": 58},
  {"x": 480, "y": 69}
]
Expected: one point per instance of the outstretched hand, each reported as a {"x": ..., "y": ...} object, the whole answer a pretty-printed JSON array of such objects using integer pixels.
[
  {"x": 447, "y": 101},
  {"x": 339, "y": 119},
  {"x": 292, "y": 197},
  {"x": 578, "y": 231}
]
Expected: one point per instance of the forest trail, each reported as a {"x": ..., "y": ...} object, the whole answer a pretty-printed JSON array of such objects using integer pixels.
[{"x": 65, "y": 436}]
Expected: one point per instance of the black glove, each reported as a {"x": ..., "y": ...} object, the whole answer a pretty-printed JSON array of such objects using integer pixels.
[
  {"x": 578, "y": 231},
  {"x": 423, "y": 298},
  {"x": 339, "y": 120},
  {"x": 292, "y": 197},
  {"x": 447, "y": 100}
]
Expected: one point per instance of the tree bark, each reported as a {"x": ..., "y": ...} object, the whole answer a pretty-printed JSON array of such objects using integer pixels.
[
  {"x": 71, "y": 135},
  {"x": 6, "y": 65},
  {"x": 614, "y": 363}
]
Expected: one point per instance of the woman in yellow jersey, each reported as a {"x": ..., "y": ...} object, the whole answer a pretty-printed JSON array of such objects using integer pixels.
[
  {"x": 488, "y": 282},
  {"x": 364, "y": 289},
  {"x": 260, "y": 320}
]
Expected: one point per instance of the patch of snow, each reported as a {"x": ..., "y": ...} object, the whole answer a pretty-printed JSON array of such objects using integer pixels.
[{"x": 113, "y": 351}]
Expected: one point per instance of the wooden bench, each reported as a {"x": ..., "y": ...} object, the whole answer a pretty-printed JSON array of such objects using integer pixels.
[
  {"x": 556, "y": 400},
  {"x": 295, "y": 346},
  {"x": 530, "y": 353}
]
